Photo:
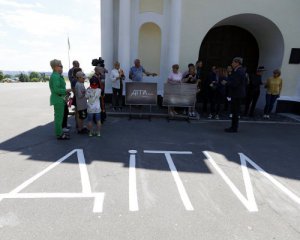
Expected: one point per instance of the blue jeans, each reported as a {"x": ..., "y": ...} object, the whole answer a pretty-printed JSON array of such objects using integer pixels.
[{"x": 270, "y": 100}]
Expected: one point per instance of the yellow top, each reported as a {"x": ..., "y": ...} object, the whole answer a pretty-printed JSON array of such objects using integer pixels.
[{"x": 274, "y": 85}]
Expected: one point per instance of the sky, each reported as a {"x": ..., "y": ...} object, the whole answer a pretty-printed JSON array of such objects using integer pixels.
[{"x": 33, "y": 32}]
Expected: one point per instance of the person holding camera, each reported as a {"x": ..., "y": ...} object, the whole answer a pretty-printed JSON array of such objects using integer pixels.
[
  {"x": 59, "y": 92},
  {"x": 137, "y": 72},
  {"x": 117, "y": 77}
]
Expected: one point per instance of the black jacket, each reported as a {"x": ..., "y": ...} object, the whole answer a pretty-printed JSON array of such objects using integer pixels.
[{"x": 237, "y": 83}]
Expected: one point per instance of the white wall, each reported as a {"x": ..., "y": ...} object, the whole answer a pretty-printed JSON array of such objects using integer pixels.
[
  {"x": 274, "y": 24},
  {"x": 200, "y": 16}
]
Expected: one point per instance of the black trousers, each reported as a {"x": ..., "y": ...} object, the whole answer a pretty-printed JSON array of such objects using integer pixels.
[
  {"x": 117, "y": 97},
  {"x": 66, "y": 114},
  {"x": 235, "y": 110},
  {"x": 251, "y": 99}
]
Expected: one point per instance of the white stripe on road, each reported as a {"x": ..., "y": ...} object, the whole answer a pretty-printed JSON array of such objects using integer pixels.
[
  {"x": 85, "y": 180},
  {"x": 181, "y": 189},
  {"x": 133, "y": 199},
  {"x": 37, "y": 176},
  {"x": 98, "y": 202},
  {"x": 250, "y": 204},
  {"x": 169, "y": 152},
  {"x": 289, "y": 193}
]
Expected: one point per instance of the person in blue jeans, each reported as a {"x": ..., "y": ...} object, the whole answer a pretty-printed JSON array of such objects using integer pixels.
[
  {"x": 273, "y": 86},
  {"x": 93, "y": 94}
]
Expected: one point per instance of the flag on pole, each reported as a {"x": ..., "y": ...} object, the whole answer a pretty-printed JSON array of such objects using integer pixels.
[{"x": 69, "y": 43}]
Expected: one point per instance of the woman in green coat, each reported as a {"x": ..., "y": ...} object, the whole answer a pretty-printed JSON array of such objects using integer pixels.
[{"x": 58, "y": 90}]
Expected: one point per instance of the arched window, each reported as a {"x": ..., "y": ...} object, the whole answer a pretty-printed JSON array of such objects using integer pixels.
[{"x": 150, "y": 47}]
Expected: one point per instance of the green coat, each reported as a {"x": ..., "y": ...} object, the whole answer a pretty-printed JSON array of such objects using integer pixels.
[{"x": 57, "y": 86}]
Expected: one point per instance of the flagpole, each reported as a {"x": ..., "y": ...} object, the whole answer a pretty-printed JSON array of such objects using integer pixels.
[{"x": 69, "y": 47}]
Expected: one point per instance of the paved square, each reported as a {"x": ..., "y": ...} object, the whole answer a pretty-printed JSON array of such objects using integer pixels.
[{"x": 144, "y": 180}]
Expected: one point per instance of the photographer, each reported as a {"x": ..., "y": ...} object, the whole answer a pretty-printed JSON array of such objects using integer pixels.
[{"x": 117, "y": 77}]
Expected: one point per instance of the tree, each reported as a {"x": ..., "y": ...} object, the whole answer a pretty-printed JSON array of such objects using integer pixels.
[
  {"x": 23, "y": 77},
  {"x": 1, "y": 75},
  {"x": 7, "y": 76},
  {"x": 34, "y": 75}
]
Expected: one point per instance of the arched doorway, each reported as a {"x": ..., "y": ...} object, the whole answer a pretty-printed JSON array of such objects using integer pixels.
[{"x": 223, "y": 43}]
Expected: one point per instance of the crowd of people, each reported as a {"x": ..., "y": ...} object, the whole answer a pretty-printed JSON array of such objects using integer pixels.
[{"x": 221, "y": 86}]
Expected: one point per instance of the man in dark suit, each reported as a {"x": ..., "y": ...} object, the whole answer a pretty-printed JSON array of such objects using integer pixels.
[
  {"x": 237, "y": 91},
  {"x": 253, "y": 91}
]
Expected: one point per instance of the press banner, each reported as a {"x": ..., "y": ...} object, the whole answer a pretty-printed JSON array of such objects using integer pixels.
[{"x": 139, "y": 93}]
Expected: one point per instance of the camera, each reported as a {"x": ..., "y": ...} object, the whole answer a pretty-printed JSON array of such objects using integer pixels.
[{"x": 98, "y": 62}]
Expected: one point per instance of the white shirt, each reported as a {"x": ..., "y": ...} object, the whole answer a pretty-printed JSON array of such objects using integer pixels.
[
  {"x": 175, "y": 76},
  {"x": 113, "y": 76},
  {"x": 93, "y": 98}
]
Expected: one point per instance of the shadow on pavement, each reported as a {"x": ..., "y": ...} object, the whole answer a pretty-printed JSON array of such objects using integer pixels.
[{"x": 273, "y": 147}]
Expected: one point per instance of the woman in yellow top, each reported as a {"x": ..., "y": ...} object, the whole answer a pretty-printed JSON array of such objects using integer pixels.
[{"x": 273, "y": 86}]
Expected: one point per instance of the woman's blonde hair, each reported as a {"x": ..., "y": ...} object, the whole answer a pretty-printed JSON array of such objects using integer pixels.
[{"x": 54, "y": 63}]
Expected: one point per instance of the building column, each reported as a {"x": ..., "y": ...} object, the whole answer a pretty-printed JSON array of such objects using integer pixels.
[
  {"x": 124, "y": 48},
  {"x": 175, "y": 31},
  {"x": 107, "y": 47}
]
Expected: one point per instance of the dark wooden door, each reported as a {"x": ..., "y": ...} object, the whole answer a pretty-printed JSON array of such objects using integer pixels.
[{"x": 222, "y": 44}]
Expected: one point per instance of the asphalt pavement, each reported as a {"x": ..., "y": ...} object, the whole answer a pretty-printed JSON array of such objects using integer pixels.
[{"x": 144, "y": 179}]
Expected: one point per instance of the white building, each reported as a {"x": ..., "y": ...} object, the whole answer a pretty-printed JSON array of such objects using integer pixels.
[{"x": 164, "y": 32}]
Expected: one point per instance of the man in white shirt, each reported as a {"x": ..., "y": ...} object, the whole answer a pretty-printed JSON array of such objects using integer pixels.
[{"x": 117, "y": 77}]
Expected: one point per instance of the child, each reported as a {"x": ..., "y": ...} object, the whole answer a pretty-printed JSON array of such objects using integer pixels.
[
  {"x": 80, "y": 101},
  {"x": 93, "y": 95}
]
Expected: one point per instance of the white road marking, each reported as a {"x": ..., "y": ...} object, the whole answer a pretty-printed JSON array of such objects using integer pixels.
[
  {"x": 49, "y": 195},
  {"x": 133, "y": 199},
  {"x": 183, "y": 194},
  {"x": 289, "y": 193},
  {"x": 249, "y": 203},
  {"x": 37, "y": 176},
  {"x": 85, "y": 181},
  {"x": 98, "y": 202}
]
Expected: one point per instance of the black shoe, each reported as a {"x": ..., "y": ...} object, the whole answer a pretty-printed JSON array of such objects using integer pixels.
[
  {"x": 230, "y": 130},
  {"x": 64, "y": 137}
]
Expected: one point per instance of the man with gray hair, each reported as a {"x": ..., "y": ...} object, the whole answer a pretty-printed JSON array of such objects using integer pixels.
[
  {"x": 237, "y": 91},
  {"x": 137, "y": 72}
]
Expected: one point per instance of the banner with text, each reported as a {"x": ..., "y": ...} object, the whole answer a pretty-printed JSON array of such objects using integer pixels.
[{"x": 139, "y": 93}]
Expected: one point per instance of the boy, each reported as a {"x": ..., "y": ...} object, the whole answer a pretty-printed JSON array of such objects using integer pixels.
[
  {"x": 80, "y": 101},
  {"x": 93, "y": 94}
]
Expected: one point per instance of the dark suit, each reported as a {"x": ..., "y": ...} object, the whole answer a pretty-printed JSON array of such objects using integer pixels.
[
  {"x": 253, "y": 92},
  {"x": 237, "y": 91}
]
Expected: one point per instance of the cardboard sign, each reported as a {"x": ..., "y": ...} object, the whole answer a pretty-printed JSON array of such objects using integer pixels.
[
  {"x": 180, "y": 95},
  {"x": 139, "y": 93}
]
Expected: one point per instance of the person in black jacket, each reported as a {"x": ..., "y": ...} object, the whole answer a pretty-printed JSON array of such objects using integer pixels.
[
  {"x": 237, "y": 91},
  {"x": 253, "y": 91}
]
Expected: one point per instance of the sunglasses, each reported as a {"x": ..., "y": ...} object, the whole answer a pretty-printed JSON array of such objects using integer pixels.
[{"x": 60, "y": 66}]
